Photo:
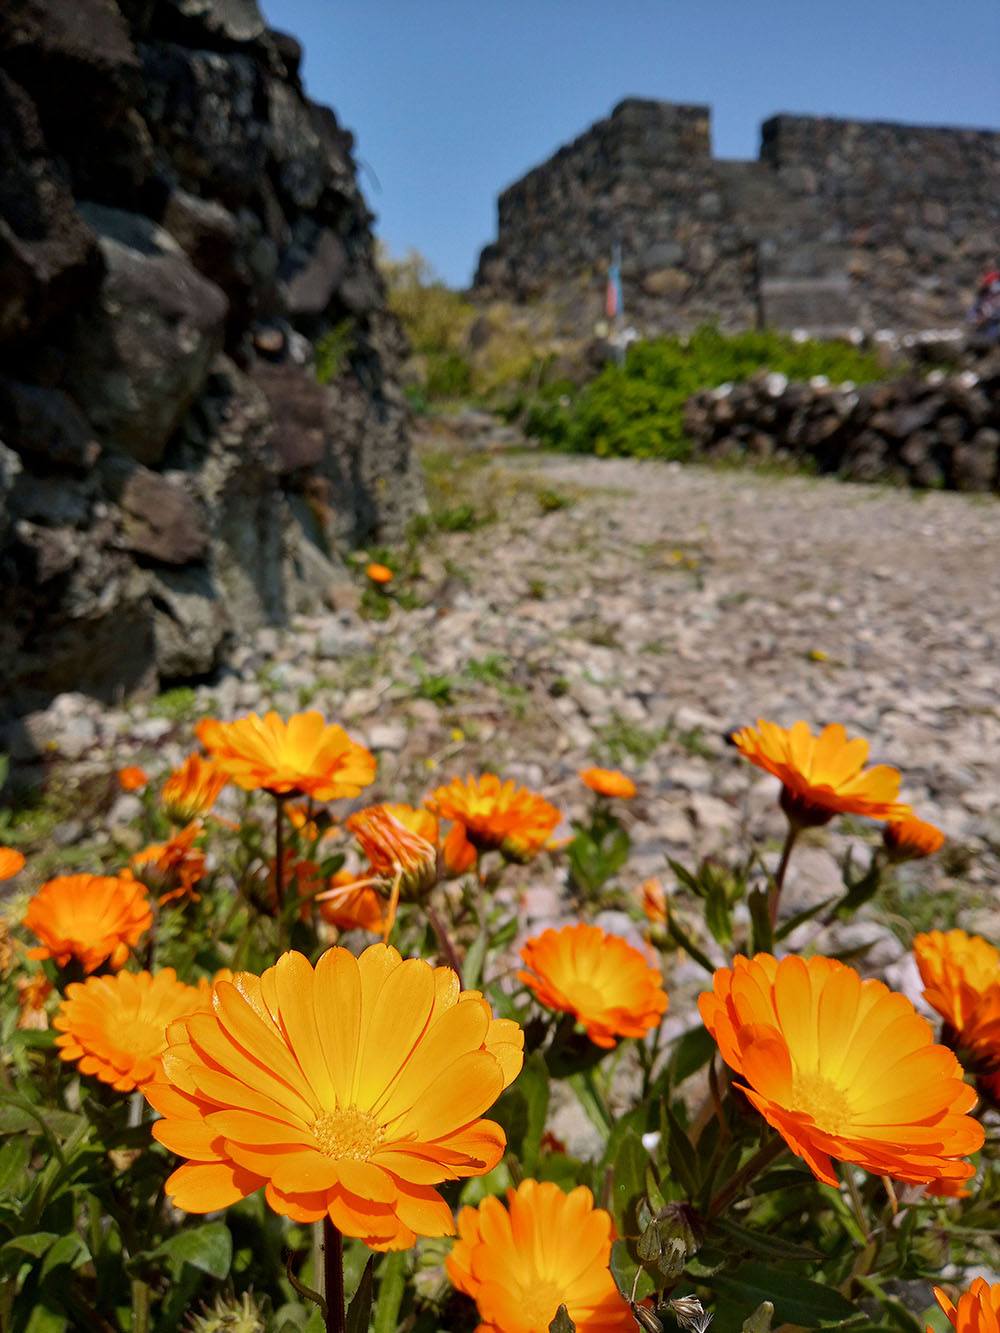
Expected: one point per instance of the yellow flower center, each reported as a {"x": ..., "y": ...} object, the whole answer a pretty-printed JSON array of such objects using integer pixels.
[
  {"x": 350, "y": 1132},
  {"x": 816, "y": 1095},
  {"x": 539, "y": 1302}
]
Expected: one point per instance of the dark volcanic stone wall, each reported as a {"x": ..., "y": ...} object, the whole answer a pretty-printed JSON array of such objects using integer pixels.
[
  {"x": 180, "y": 230},
  {"x": 838, "y": 224}
]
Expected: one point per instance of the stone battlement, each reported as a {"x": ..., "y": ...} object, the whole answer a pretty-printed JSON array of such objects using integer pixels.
[{"x": 837, "y": 224}]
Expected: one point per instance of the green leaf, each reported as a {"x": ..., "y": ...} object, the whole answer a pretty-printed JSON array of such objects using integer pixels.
[
  {"x": 759, "y": 1242},
  {"x": 36, "y": 1244},
  {"x": 562, "y": 1322},
  {"x": 761, "y": 935},
  {"x": 14, "y": 1158},
  {"x": 523, "y": 1109},
  {"x": 208, "y": 1248},
  {"x": 800, "y": 918},
  {"x": 391, "y": 1286},
  {"x": 472, "y": 963},
  {"x": 67, "y": 1250},
  {"x": 691, "y": 1052},
  {"x": 681, "y": 1155},
  {"x": 796, "y": 1299},
  {"x": 623, "y": 1270},
  {"x": 680, "y": 936},
  {"x": 628, "y": 1181},
  {"x": 360, "y": 1309},
  {"x": 717, "y": 914},
  {"x": 43, "y": 1319}
]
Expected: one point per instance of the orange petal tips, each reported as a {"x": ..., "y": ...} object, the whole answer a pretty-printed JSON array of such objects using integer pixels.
[
  {"x": 977, "y": 1311},
  {"x": 843, "y": 1068},
  {"x": 349, "y": 1090},
  {"x": 94, "y": 918},
  {"x": 608, "y": 782},
  {"x": 821, "y": 775},
  {"x": 305, "y": 756},
  {"x": 545, "y": 1249},
  {"x": 600, "y": 978}
]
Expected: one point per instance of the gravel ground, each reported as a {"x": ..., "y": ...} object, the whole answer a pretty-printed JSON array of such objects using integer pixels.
[{"x": 631, "y": 613}]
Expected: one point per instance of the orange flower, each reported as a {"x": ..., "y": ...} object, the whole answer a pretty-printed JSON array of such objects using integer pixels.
[
  {"x": 911, "y": 838},
  {"x": 95, "y": 918},
  {"x": 843, "y": 1068},
  {"x": 607, "y": 782},
  {"x": 961, "y": 974},
  {"x": 394, "y": 849},
  {"x": 32, "y": 992},
  {"x": 821, "y": 775},
  {"x": 379, "y": 573},
  {"x": 192, "y": 789},
  {"x": 10, "y": 862},
  {"x": 132, "y": 778},
  {"x": 496, "y": 816},
  {"x": 654, "y": 901},
  {"x": 174, "y": 866},
  {"x": 545, "y": 1249},
  {"x": 600, "y": 978},
  {"x": 352, "y": 904},
  {"x": 349, "y": 1091},
  {"x": 978, "y": 1309},
  {"x": 116, "y": 1027},
  {"x": 306, "y": 756},
  {"x": 456, "y": 853}
]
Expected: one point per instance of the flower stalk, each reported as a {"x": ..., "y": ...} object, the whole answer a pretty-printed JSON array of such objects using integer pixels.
[{"x": 333, "y": 1278}]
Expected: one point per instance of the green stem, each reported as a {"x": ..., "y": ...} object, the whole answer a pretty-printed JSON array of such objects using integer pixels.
[
  {"x": 779, "y": 875},
  {"x": 445, "y": 940},
  {"x": 761, "y": 1159},
  {"x": 279, "y": 843},
  {"x": 333, "y": 1278},
  {"x": 140, "y": 1306}
]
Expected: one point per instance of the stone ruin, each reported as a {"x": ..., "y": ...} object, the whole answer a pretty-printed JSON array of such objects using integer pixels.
[
  {"x": 839, "y": 225},
  {"x": 182, "y": 241}
]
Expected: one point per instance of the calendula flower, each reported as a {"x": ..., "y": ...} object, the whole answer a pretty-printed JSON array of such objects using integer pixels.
[
  {"x": 350, "y": 1091},
  {"x": 192, "y": 789},
  {"x": 32, "y": 992},
  {"x": 456, "y": 854},
  {"x": 545, "y": 1249},
  {"x": 497, "y": 816},
  {"x": 978, "y": 1309},
  {"x": 305, "y": 756},
  {"x": 132, "y": 778},
  {"x": 379, "y": 573},
  {"x": 171, "y": 869},
  {"x": 352, "y": 904},
  {"x": 911, "y": 838},
  {"x": 600, "y": 978},
  {"x": 843, "y": 1068},
  {"x": 607, "y": 782},
  {"x": 654, "y": 901},
  {"x": 821, "y": 775},
  {"x": 94, "y": 918},
  {"x": 394, "y": 850},
  {"x": 116, "y": 1027},
  {"x": 10, "y": 862},
  {"x": 961, "y": 975}
]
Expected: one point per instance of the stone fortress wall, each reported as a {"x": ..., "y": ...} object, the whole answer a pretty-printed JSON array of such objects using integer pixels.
[{"x": 839, "y": 224}]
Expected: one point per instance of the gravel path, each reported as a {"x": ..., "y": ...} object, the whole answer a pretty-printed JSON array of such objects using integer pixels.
[{"x": 630, "y": 613}]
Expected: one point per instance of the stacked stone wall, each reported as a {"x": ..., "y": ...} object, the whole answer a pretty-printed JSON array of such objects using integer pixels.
[
  {"x": 180, "y": 229},
  {"x": 839, "y": 224}
]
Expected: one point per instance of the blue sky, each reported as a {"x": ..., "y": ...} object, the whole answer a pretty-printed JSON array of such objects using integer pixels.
[{"x": 452, "y": 100}]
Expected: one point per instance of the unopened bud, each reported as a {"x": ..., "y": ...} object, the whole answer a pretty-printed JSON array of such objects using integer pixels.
[{"x": 646, "y": 1319}]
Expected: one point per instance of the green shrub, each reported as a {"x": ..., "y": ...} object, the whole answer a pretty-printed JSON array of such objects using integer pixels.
[
  {"x": 638, "y": 409},
  {"x": 333, "y": 351}
]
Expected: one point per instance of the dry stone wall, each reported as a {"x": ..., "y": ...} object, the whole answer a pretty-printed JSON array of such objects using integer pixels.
[
  {"x": 937, "y": 430},
  {"x": 180, "y": 229},
  {"x": 838, "y": 225}
]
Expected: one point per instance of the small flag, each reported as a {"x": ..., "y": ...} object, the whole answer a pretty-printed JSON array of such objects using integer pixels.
[{"x": 613, "y": 304}]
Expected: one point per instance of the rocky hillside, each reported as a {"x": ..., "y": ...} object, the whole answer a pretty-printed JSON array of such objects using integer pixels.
[{"x": 184, "y": 256}]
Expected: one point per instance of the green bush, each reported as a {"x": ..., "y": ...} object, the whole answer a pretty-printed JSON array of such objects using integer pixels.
[{"x": 638, "y": 409}]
